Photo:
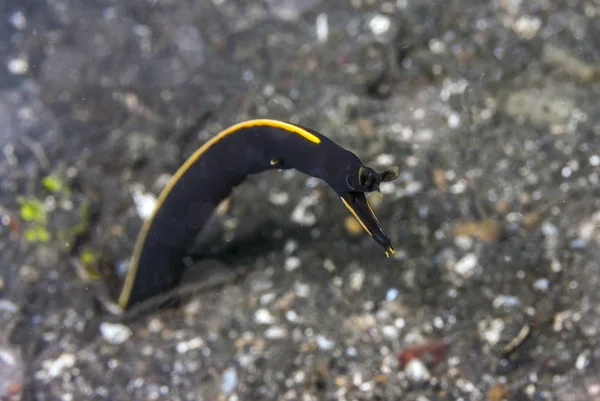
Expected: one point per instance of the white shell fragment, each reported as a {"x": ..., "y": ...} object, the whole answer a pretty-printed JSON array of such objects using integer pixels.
[
  {"x": 144, "y": 204},
  {"x": 322, "y": 27},
  {"x": 466, "y": 265},
  {"x": 115, "y": 333}
]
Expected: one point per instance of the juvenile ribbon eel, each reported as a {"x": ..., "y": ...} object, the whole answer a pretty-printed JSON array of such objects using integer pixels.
[{"x": 225, "y": 161}]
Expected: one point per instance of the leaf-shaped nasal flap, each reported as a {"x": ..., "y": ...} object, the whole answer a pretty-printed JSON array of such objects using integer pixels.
[{"x": 390, "y": 174}]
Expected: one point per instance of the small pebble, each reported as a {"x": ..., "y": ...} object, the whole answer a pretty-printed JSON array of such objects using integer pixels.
[
  {"x": 267, "y": 298},
  {"x": 8, "y": 306},
  {"x": 301, "y": 215},
  {"x": 561, "y": 319},
  {"x": 18, "y": 20},
  {"x": 18, "y": 66},
  {"x": 357, "y": 280},
  {"x": 459, "y": 187},
  {"x": 453, "y": 120},
  {"x": 594, "y": 389},
  {"x": 293, "y": 317},
  {"x": 491, "y": 331},
  {"x": 268, "y": 90},
  {"x": 292, "y": 263},
  {"x": 581, "y": 362},
  {"x": 155, "y": 325},
  {"x": 263, "y": 316},
  {"x": 194, "y": 343},
  {"x": 193, "y": 307},
  {"x": 587, "y": 230},
  {"x": 385, "y": 159},
  {"x": 56, "y": 367},
  {"x": 390, "y": 332},
  {"x": 324, "y": 343},
  {"x": 329, "y": 265},
  {"x": 114, "y": 333},
  {"x": 276, "y": 333},
  {"x": 413, "y": 187},
  {"x": 392, "y": 294},
  {"x": 366, "y": 386},
  {"x": 465, "y": 385},
  {"x": 555, "y": 265},
  {"x": 466, "y": 265},
  {"x": 357, "y": 378},
  {"x": 530, "y": 390},
  {"x": 230, "y": 380},
  {"x": 505, "y": 301},
  {"x": 527, "y": 27},
  {"x": 290, "y": 247},
  {"x": 437, "y": 46},
  {"x": 387, "y": 188},
  {"x": 464, "y": 242},
  {"x": 419, "y": 114},
  {"x": 451, "y": 87},
  {"x": 380, "y": 25},
  {"x": 454, "y": 361},
  {"x": 300, "y": 377},
  {"x": 121, "y": 268},
  {"x": 144, "y": 204},
  {"x": 322, "y": 28},
  {"x": 302, "y": 290},
  {"x": 549, "y": 230},
  {"x": 416, "y": 371},
  {"x": 542, "y": 284}
]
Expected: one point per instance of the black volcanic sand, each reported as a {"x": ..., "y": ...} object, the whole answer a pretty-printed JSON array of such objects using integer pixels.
[{"x": 490, "y": 109}]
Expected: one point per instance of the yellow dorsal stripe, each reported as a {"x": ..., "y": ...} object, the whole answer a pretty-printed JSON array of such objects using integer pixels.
[{"x": 137, "y": 250}]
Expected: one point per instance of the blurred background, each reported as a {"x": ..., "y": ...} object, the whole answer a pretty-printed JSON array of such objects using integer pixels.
[{"x": 490, "y": 108}]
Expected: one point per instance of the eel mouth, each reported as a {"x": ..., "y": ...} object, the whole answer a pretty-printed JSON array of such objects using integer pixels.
[{"x": 357, "y": 204}]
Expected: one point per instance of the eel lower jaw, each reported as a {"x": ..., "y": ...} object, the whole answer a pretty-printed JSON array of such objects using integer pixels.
[{"x": 356, "y": 203}]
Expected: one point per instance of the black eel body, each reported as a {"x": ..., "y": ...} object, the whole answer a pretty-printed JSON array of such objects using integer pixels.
[{"x": 211, "y": 173}]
